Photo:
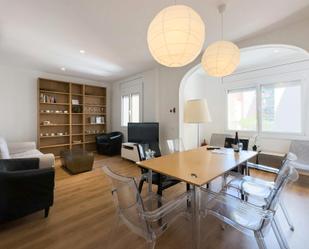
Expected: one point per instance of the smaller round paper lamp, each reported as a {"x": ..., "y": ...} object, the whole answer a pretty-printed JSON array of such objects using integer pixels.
[
  {"x": 176, "y": 36},
  {"x": 221, "y": 58}
]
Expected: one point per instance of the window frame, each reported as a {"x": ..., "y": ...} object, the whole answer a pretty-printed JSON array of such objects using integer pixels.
[
  {"x": 302, "y": 113},
  {"x": 258, "y": 86},
  {"x": 240, "y": 89},
  {"x": 130, "y": 108},
  {"x": 128, "y": 88}
]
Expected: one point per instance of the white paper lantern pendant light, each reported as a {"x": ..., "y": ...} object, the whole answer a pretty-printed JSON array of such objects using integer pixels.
[
  {"x": 176, "y": 36},
  {"x": 221, "y": 58}
]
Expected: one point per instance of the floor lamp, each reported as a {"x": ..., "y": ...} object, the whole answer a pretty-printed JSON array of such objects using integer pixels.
[{"x": 196, "y": 112}]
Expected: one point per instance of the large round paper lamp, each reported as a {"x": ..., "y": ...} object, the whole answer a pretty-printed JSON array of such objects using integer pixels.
[
  {"x": 176, "y": 36},
  {"x": 221, "y": 58}
]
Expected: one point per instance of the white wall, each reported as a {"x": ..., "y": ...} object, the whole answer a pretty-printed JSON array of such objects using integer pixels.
[
  {"x": 150, "y": 104},
  {"x": 18, "y": 102},
  {"x": 296, "y": 34},
  {"x": 161, "y": 90}
]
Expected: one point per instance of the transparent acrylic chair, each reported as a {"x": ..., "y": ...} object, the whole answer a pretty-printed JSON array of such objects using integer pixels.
[
  {"x": 175, "y": 145},
  {"x": 256, "y": 191},
  {"x": 142, "y": 216},
  {"x": 249, "y": 218}
]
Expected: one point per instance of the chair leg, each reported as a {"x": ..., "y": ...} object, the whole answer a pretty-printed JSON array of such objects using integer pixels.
[
  {"x": 46, "y": 212},
  {"x": 287, "y": 216},
  {"x": 278, "y": 237},
  {"x": 280, "y": 234},
  {"x": 151, "y": 244},
  {"x": 260, "y": 240},
  {"x": 188, "y": 200},
  {"x": 140, "y": 186},
  {"x": 188, "y": 187},
  {"x": 224, "y": 178}
]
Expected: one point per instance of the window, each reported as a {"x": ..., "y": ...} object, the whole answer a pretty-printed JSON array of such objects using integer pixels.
[
  {"x": 130, "y": 108},
  {"x": 125, "y": 110},
  {"x": 281, "y": 108},
  {"x": 242, "y": 113},
  {"x": 275, "y": 108},
  {"x": 134, "y": 107}
]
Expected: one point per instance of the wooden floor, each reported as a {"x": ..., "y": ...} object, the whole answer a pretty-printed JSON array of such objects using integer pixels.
[{"x": 83, "y": 217}]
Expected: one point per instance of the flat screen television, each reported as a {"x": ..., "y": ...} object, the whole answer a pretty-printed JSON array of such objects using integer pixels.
[{"x": 143, "y": 133}]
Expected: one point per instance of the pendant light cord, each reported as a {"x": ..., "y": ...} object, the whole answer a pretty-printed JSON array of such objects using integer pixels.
[
  {"x": 221, "y": 9},
  {"x": 221, "y": 25}
]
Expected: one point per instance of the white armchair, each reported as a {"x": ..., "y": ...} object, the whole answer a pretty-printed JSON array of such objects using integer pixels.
[{"x": 25, "y": 150}]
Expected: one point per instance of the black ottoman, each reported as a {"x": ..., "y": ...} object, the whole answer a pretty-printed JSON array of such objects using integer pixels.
[{"x": 77, "y": 160}]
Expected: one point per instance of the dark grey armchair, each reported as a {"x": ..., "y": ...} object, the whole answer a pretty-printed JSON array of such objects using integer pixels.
[
  {"x": 24, "y": 188},
  {"x": 109, "y": 143}
]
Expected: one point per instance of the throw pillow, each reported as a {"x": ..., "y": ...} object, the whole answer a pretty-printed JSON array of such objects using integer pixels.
[{"x": 4, "y": 150}]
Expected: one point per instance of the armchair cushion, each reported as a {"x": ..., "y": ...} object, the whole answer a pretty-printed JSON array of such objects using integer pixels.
[
  {"x": 19, "y": 164},
  {"x": 46, "y": 160},
  {"x": 4, "y": 150}
]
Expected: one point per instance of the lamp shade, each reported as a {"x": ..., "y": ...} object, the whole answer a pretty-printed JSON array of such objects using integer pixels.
[
  {"x": 176, "y": 36},
  {"x": 196, "y": 111},
  {"x": 221, "y": 58}
]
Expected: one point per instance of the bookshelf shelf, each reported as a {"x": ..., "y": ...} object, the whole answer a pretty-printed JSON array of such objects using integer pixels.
[
  {"x": 44, "y": 103},
  {"x": 53, "y": 92}
]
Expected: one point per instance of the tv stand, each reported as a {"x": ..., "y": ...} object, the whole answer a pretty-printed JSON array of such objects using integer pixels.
[{"x": 130, "y": 152}]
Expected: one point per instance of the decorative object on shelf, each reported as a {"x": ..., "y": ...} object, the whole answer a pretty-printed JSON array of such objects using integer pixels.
[
  {"x": 44, "y": 98},
  {"x": 92, "y": 120},
  {"x": 77, "y": 109},
  {"x": 221, "y": 58},
  {"x": 96, "y": 120},
  {"x": 99, "y": 120},
  {"x": 176, "y": 36},
  {"x": 46, "y": 122},
  {"x": 75, "y": 102}
]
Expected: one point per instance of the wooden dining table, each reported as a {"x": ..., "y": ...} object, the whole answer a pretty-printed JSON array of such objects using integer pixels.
[{"x": 196, "y": 167}]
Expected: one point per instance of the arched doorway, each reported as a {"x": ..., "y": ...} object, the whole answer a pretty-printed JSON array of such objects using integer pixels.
[{"x": 197, "y": 84}]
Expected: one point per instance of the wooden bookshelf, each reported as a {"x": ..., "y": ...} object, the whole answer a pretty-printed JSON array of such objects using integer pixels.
[{"x": 70, "y": 115}]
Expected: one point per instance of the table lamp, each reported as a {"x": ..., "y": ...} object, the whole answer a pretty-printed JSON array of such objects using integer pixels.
[{"x": 196, "y": 112}]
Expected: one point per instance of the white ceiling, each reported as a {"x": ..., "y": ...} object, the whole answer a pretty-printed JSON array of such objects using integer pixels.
[
  {"x": 266, "y": 56},
  {"x": 48, "y": 34}
]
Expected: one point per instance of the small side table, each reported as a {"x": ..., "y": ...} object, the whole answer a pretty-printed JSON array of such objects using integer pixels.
[{"x": 77, "y": 160}]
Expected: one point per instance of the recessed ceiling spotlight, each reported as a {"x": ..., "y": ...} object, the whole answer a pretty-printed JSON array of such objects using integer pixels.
[
  {"x": 63, "y": 69},
  {"x": 82, "y": 51}
]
